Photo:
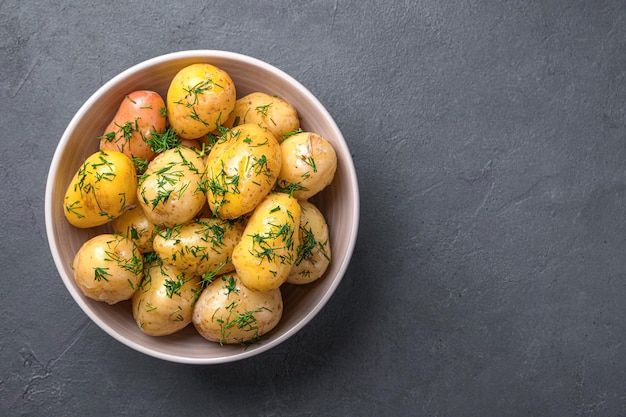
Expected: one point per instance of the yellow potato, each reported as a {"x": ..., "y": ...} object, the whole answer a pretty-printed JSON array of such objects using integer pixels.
[
  {"x": 269, "y": 112},
  {"x": 267, "y": 250},
  {"x": 241, "y": 169},
  {"x": 101, "y": 190},
  {"x": 308, "y": 165},
  {"x": 108, "y": 268},
  {"x": 200, "y": 98},
  {"x": 201, "y": 246},
  {"x": 164, "y": 303},
  {"x": 228, "y": 312},
  {"x": 134, "y": 225},
  {"x": 313, "y": 253},
  {"x": 170, "y": 192}
]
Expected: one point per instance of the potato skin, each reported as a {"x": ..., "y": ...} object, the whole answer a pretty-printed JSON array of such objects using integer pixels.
[
  {"x": 201, "y": 246},
  {"x": 269, "y": 112},
  {"x": 313, "y": 252},
  {"x": 108, "y": 268},
  {"x": 191, "y": 143},
  {"x": 241, "y": 170},
  {"x": 171, "y": 192},
  {"x": 200, "y": 97},
  {"x": 228, "y": 312},
  {"x": 141, "y": 113},
  {"x": 101, "y": 190},
  {"x": 164, "y": 303},
  {"x": 133, "y": 224},
  {"x": 267, "y": 250},
  {"x": 308, "y": 165}
]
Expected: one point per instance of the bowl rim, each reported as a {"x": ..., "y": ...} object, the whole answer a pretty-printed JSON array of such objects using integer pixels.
[{"x": 203, "y": 54}]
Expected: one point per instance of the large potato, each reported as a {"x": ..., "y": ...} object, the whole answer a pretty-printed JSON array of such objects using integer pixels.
[
  {"x": 229, "y": 312},
  {"x": 313, "y": 253},
  {"x": 241, "y": 169},
  {"x": 171, "y": 192},
  {"x": 200, "y": 97},
  {"x": 308, "y": 165},
  {"x": 201, "y": 246},
  {"x": 140, "y": 115},
  {"x": 164, "y": 303},
  {"x": 104, "y": 186},
  {"x": 108, "y": 268},
  {"x": 267, "y": 250},
  {"x": 269, "y": 112}
]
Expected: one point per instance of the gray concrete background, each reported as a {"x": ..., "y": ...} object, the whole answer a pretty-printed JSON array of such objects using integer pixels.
[{"x": 490, "y": 142}]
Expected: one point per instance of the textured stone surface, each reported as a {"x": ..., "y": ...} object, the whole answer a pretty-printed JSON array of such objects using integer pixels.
[{"x": 490, "y": 142}]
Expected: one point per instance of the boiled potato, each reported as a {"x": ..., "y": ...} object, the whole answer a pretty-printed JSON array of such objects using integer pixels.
[
  {"x": 170, "y": 192},
  {"x": 201, "y": 246},
  {"x": 313, "y": 253},
  {"x": 200, "y": 97},
  {"x": 308, "y": 165},
  {"x": 241, "y": 169},
  {"x": 191, "y": 143},
  {"x": 267, "y": 250},
  {"x": 164, "y": 303},
  {"x": 134, "y": 225},
  {"x": 269, "y": 112},
  {"x": 140, "y": 115},
  {"x": 108, "y": 268},
  {"x": 101, "y": 190},
  {"x": 228, "y": 312}
]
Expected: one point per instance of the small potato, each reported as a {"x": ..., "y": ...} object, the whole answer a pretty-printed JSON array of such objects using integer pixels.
[
  {"x": 228, "y": 312},
  {"x": 171, "y": 192},
  {"x": 164, "y": 303},
  {"x": 313, "y": 254},
  {"x": 200, "y": 98},
  {"x": 208, "y": 141},
  {"x": 140, "y": 115},
  {"x": 202, "y": 246},
  {"x": 191, "y": 143},
  {"x": 269, "y": 112},
  {"x": 134, "y": 225},
  {"x": 108, "y": 268},
  {"x": 267, "y": 250},
  {"x": 241, "y": 170},
  {"x": 101, "y": 190},
  {"x": 308, "y": 165}
]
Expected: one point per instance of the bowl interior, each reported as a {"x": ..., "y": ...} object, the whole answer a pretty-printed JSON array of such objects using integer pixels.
[{"x": 339, "y": 202}]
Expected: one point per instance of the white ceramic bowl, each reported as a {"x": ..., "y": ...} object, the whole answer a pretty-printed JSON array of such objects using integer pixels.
[{"x": 339, "y": 202}]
